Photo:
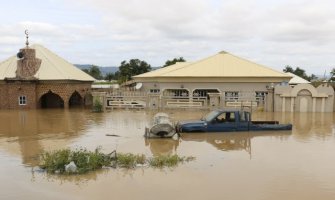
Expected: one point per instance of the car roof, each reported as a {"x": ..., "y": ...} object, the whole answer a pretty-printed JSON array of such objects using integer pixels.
[{"x": 230, "y": 110}]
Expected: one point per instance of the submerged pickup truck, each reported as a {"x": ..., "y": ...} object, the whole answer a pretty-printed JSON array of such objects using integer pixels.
[{"x": 229, "y": 121}]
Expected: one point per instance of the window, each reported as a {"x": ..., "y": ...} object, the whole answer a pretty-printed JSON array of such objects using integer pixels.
[
  {"x": 22, "y": 100},
  {"x": 180, "y": 93},
  {"x": 226, "y": 117},
  {"x": 260, "y": 95},
  {"x": 231, "y": 96}
]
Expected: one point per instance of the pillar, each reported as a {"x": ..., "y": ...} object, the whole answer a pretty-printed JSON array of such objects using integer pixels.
[
  {"x": 323, "y": 104},
  {"x": 314, "y": 104},
  {"x": 292, "y": 104},
  {"x": 153, "y": 101},
  {"x": 269, "y": 102},
  {"x": 283, "y": 105}
]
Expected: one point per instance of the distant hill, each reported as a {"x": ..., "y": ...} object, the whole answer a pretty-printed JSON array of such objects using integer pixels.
[{"x": 104, "y": 70}]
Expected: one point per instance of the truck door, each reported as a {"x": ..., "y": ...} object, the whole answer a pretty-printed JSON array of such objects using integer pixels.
[
  {"x": 243, "y": 121},
  {"x": 224, "y": 122}
]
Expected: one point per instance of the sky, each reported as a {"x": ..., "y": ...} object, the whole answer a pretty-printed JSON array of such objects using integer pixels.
[{"x": 299, "y": 33}]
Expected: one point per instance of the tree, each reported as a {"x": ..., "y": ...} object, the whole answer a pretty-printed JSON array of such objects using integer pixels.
[
  {"x": 332, "y": 72},
  {"x": 174, "y": 61},
  {"x": 94, "y": 71},
  {"x": 132, "y": 68},
  {"x": 332, "y": 75},
  {"x": 109, "y": 76},
  {"x": 312, "y": 77},
  {"x": 288, "y": 69},
  {"x": 299, "y": 72}
]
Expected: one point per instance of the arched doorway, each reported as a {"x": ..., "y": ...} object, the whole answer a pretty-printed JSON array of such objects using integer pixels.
[
  {"x": 51, "y": 100},
  {"x": 75, "y": 100},
  {"x": 303, "y": 104},
  {"x": 304, "y": 100}
]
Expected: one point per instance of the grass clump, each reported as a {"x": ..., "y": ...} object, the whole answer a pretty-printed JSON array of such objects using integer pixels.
[
  {"x": 129, "y": 160},
  {"x": 97, "y": 106},
  {"x": 55, "y": 161},
  {"x": 168, "y": 161},
  {"x": 85, "y": 161}
]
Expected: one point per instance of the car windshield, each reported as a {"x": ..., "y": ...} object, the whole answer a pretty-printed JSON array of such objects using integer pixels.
[{"x": 210, "y": 116}]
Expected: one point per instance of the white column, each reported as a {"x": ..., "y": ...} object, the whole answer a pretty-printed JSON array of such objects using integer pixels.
[
  {"x": 323, "y": 104},
  {"x": 292, "y": 104},
  {"x": 283, "y": 105},
  {"x": 314, "y": 104}
]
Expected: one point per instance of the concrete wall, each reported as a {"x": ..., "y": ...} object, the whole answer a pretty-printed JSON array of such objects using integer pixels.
[{"x": 303, "y": 98}]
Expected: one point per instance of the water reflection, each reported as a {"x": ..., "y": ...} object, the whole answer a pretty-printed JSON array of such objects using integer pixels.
[
  {"x": 34, "y": 131},
  {"x": 28, "y": 133},
  {"x": 234, "y": 141},
  {"x": 80, "y": 179},
  {"x": 162, "y": 146},
  {"x": 313, "y": 125}
]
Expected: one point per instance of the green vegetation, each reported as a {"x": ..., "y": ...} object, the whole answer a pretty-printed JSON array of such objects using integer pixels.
[
  {"x": 299, "y": 72},
  {"x": 128, "y": 160},
  {"x": 173, "y": 61},
  {"x": 55, "y": 161},
  {"x": 132, "y": 68},
  {"x": 94, "y": 71},
  {"x": 97, "y": 106},
  {"x": 85, "y": 161},
  {"x": 169, "y": 161}
]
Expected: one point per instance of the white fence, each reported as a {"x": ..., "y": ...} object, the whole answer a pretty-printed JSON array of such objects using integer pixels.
[{"x": 136, "y": 99}]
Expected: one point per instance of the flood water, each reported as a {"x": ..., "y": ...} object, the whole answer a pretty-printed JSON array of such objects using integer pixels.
[{"x": 297, "y": 164}]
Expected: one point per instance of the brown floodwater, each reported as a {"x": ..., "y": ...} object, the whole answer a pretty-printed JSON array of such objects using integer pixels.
[{"x": 297, "y": 164}]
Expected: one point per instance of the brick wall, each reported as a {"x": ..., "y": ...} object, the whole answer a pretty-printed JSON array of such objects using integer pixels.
[{"x": 34, "y": 90}]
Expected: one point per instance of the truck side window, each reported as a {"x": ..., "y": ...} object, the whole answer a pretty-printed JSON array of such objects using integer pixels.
[
  {"x": 230, "y": 117},
  {"x": 244, "y": 116}
]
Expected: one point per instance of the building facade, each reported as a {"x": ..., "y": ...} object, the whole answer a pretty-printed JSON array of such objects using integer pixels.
[
  {"x": 217, "y": 81},
  {"x": 38, "y": 78}
]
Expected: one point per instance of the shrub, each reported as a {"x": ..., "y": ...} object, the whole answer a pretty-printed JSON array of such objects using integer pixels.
[
  {"x": 97, "y": 106},
  {"x": 168, "y": 161},
  {"x": 55, "y": 161}
]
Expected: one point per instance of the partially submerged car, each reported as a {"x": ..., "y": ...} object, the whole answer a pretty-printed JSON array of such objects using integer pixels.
[{"x": 229, "y": 121}]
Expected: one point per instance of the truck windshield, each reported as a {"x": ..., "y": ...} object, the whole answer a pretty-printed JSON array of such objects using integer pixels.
[{"x": 210, "y": 116}]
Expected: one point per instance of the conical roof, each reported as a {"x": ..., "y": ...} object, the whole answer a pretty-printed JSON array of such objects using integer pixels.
[
  {"x": 219, "y": 65},
  {"x": 52, "y": 67}
]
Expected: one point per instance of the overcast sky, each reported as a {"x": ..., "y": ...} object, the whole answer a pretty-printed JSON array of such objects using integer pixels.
[{"x": 105, "y": 32}]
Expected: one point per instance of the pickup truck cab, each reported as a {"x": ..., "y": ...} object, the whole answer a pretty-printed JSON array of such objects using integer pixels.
[{"x": 228, "y": 121}]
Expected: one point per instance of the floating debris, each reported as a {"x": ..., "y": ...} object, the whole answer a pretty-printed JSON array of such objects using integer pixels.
[{"x": 113, "y": 135}]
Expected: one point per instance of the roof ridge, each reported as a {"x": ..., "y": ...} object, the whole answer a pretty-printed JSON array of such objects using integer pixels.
[
  {"x": 269, "y": 68},
  {"x": 188, "y": 65}
]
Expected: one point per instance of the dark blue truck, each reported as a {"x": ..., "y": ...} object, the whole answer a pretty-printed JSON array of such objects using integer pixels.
[{"x": 229, "y": 121}]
